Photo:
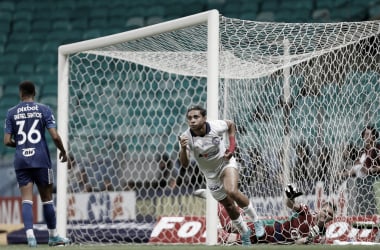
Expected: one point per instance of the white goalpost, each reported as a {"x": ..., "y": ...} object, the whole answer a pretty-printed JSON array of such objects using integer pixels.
[
  {"x": 211, "y": 19},
  {"x": 299, "y": 93}
]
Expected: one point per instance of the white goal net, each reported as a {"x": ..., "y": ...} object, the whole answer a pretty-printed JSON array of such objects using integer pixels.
[{"x": 300, "y": 94}]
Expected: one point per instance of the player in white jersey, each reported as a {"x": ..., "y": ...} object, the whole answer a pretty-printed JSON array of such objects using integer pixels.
[{"x": 203, "y": 140}]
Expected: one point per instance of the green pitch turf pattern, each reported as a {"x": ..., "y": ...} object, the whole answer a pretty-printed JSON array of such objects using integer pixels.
[{"x": 196, "y": 247}]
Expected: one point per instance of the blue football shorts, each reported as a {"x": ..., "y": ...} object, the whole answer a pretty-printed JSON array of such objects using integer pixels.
[{"x": 40, "y": 176}]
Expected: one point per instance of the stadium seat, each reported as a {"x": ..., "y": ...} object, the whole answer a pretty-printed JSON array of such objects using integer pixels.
[
  {"x": 265, "y": 16},
  {"x": 51, "y": 46},
  {"x": 7, "y": 5},
  {"x": 270, "y": 5},
  {"x": 21, "y": 26},
  {"x": 45, "y": 68},
  {"x": 79, "y": 23},
  {"x": 99, "y": 13},
  {"x": 296, "y": 5},
  {"x": 231, "y": 9},
  {"x": 154, "y": 19},
  {"x": 3, "y": 39},
  {"x": 46, "y": 58},
  {"x": 51, "y": 101},
  {"x": 98, "y": 23},
  {"x": 348, "y": 13},
  {"x": 173, "y": 11},
  {"x": 7, "y": 101},
  {"x": 24, "y": 6},
  {"x": 5, "y": 16},
  {"x": 248, "y": 16},
  {"x": 5, "y": 27},
  {"x": 321, "y": 15},
  {"x": 11, "y": 79},
  {"x": 6, "y": 68},
  {"x": 25, "y": 68},
  {"x": 115, "y": 24},
  {"x": 250, "y": 6},
  {"x": 374, "y": 11},
  {"x": 18, "y": 37},
  {"x": 24, "y": 15},
  {"x": 92, "y": 33},
  {"x": 34, "y": 36},
  {"x": 291, "y": 15},
  {"x": 72, "y": 36},
  {"x": 6, "y": 153},
  {"x": 61, "y": 25},
  {"x": 134, "y": 22},
  {"x": 215, "y": 4},
  {"x": 156, "y": 10},
  {"x": 329, "y": 4},
  {"x": 41, "y": 25},
  {"x": 28, "y": 57},
  {"x": 66, "y": 5},
  {"x": 119, "y": 4},
  {"x": 31, "y": 46},
  {"x": 57, "y": 35},
  {"x": 62, "y": 15}
]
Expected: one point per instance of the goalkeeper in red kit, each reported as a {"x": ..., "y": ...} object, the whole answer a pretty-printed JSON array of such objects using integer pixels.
[{"x": 302, "y": 227}]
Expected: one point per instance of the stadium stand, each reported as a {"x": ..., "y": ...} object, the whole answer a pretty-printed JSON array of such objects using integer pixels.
[{"x": 30, "y": 34}]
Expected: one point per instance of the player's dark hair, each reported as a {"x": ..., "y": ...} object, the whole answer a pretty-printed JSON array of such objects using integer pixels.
[
  {"x": 197, "y": 107},
  {"x": 27, "y": 88},
  {"x": 374, "y": 132}
]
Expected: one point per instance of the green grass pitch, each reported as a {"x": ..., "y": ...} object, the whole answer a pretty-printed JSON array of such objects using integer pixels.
[{"x": 195, "y": 247}]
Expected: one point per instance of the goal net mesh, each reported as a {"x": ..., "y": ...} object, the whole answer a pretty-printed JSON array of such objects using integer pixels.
[{"x": 300, "y": 95}]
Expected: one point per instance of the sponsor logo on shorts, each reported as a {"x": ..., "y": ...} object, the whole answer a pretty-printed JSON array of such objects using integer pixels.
[{"x": 214, "y": 187}]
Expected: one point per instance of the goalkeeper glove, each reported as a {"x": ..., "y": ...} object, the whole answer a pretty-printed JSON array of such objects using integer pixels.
[
  {"x": 291, "y": 192},
  {"x": 314, "y": 232}
]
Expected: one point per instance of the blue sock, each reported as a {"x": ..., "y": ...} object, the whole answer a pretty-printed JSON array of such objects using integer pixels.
[
  {"x": 27, "y": 214},
  {"x": 49, "y": 214}
]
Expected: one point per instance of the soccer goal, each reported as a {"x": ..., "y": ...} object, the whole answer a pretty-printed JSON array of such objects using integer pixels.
[{"x": 300, "y": 94}]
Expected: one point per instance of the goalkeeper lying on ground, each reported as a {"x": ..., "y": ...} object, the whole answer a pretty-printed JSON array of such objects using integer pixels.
[{"x": 302, "y": 227}]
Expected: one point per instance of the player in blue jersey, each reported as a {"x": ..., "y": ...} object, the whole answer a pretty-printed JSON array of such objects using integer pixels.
[
  {"x": 203, "y": 140},
  {"x": 25, "y": 127}
]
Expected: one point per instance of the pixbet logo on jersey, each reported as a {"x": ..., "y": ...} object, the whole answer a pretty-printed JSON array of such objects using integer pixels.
[
  {"x": 27, "y": 108},
  {"x": 187, "y": 229}
]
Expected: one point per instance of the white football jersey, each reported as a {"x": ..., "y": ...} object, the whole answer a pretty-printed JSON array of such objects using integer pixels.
[{"x": 209, "y": 150}]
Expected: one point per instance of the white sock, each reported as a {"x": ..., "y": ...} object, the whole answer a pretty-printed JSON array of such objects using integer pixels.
[
  {"x": 53, "y": 232},
  {"x": 240, "y": 225},
  {"x": 30, "y": 233},
  {"x": 250, "y": 211}
]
